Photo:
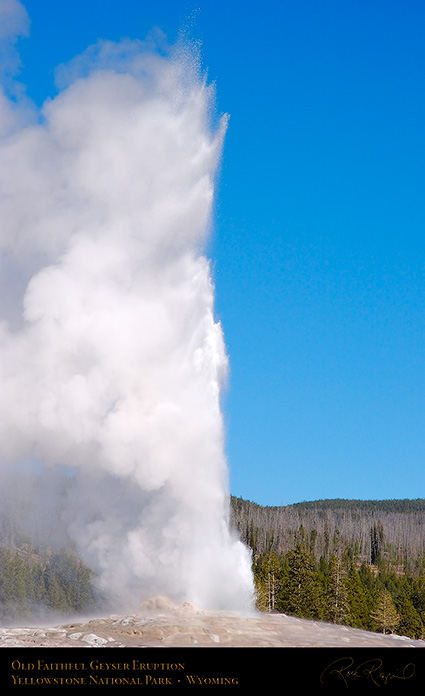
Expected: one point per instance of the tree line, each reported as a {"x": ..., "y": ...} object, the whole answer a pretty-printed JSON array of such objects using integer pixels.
[
  {"x": 357, "y": 563},
  {"x": 34, "y": 584}
]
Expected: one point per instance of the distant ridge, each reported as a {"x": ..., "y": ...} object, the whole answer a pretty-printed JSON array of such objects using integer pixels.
[
  {"x": 399, "y": 504},
  {"x": 399, "y": 523},
  {"x": 396, "y": 504},
  {"x": 413, "y": 503}
]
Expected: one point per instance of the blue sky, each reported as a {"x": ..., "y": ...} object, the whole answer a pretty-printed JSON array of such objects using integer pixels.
[{"x": 318, "y": 246}]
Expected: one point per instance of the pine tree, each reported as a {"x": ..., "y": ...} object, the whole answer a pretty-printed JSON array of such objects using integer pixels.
[
  {"x": 268, "y": 581},
  {"x": 366, "y": 577},
  {"x": 410, "y": 623},
  {"x": 385, "y": 615},
  {"x": 376, "y": 537},
  {"x": 418, "y": 596},
  {"x": 302, "y": 594},
  {"x": 358, "y": 598},
  {"x": 336, "y": 595}
]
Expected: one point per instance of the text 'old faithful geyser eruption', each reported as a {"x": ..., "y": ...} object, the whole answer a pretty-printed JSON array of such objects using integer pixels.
[{"x": 111, "y": 360}]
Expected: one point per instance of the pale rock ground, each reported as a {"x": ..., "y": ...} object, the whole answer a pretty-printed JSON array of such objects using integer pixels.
[{"x": 159, "y": 622}]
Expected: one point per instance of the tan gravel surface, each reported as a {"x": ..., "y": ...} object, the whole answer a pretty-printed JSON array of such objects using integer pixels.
[{"x": 161, "y": 623}]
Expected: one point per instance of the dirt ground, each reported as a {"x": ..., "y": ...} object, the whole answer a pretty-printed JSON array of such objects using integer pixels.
[{"x": 159, "y": 622}]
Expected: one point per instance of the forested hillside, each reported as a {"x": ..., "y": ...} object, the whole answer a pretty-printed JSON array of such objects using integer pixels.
[
  {"x": 36, "y": 584},
  {"x": 392, "y": 528},
  {"x": 41, "y": 574},
  {"x": 358, "y": 563},
  {"x": 38, "y": 581}
]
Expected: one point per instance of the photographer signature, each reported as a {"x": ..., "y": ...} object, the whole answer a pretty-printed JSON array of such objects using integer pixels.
[{"x": 345, "y": 669}]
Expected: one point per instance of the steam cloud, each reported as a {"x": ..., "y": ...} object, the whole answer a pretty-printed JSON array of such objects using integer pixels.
[{"x": 111, "y": 360}]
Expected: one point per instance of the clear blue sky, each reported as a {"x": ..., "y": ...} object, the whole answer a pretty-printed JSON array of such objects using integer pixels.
[{"x": 319, "y": 248}]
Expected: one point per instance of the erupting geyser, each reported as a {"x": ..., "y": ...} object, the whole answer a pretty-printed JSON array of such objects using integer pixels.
[{"x": 111, "y": 361}]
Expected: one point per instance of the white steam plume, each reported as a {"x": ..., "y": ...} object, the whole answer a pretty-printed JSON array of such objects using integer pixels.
[
  {"x": 14, "y": 22},
  {"x": 111, "y": 361}
]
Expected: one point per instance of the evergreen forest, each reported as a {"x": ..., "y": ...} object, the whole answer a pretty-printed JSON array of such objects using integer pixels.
[
  {"x": 350, "y": 562},
  {"x": 39, "y": 581},
  {"x": 36, "y": 584}
]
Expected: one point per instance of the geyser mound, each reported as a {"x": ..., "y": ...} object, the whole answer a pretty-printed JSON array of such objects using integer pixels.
[{"x": 111, "y": 360}]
